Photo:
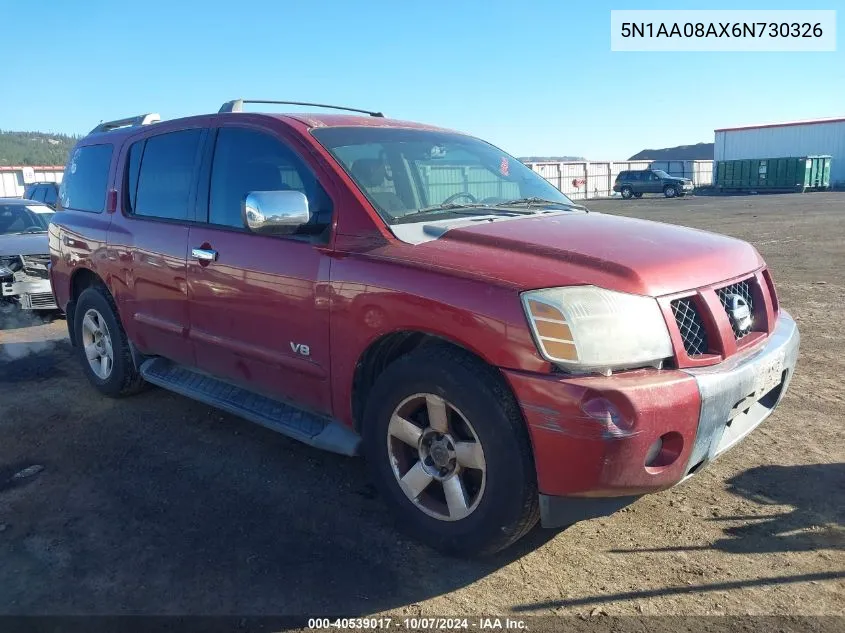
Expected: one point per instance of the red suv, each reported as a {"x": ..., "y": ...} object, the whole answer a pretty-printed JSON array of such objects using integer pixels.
[{"x": 365, "y": 285}]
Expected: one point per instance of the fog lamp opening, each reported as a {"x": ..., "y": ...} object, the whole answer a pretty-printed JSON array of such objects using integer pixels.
[
  {"x": 664, "y": 451},
  {"x": 654, "y": 451}
]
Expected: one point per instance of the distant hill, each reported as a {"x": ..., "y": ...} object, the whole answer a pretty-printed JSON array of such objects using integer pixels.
[
  {"x": 549, "y": 159},
  {"x": 699, "y": 151},
  {"x": 34, "y": 148}
]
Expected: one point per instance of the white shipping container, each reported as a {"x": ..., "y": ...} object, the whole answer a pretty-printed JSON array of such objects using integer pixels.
[
  {"x": 14, "y": 178},
  {"x": 581, "y": 180},
  {"x": 780, "y": 140}
]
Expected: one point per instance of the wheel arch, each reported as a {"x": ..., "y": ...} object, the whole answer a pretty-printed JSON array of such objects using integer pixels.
[
  {"x": 388, "y": 348},
  {"x": 81, "y": 279}
]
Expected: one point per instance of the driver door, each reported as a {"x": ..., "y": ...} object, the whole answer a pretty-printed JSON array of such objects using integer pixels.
[
  {"x": 258, "y": 309},
  {"x": 652, "y": 183}
]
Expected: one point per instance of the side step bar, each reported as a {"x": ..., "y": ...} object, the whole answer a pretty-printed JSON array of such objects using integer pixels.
[{"x": 306, "y": 427}]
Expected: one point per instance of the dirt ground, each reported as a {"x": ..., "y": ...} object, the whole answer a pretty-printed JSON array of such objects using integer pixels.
[{"x": 159, "y": 505}]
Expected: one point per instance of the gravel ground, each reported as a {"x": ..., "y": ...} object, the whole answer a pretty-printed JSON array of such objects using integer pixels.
[{"x": 159, "y": 505}]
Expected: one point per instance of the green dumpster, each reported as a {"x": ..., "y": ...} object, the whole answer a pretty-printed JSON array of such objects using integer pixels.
[{"x": 805, "y": 173}]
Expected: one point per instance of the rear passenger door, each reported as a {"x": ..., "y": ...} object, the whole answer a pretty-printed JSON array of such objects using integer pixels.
[
  {"x": 152, "y": 243},
  {"x": 258, "y": 308},
  {"x": 633, "y": 179}
]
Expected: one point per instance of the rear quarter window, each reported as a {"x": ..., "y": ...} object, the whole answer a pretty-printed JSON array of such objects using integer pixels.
[{"x": 86, "y": 178}]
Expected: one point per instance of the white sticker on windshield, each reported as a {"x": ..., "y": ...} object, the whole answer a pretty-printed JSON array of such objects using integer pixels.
[{"x": 40, "y": 209}]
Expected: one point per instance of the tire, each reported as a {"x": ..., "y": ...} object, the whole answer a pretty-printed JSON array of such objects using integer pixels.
[
  {"x": 627, "y": 192},
  {"x": 116, "y": 378},
  {"x": 638, "y": 195},
  {"x": 670, "y": 191},
  {"x": 499, "y": 501}
]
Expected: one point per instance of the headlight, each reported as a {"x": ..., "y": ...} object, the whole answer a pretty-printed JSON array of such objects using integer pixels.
[{"x": 585, "y": 328}]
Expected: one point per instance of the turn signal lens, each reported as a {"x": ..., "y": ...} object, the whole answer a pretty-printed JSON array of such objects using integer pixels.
[{"x": 552, "y": 331}]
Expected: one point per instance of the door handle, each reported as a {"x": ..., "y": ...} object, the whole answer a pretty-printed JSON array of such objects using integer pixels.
[{"x": 204, "y": 254}]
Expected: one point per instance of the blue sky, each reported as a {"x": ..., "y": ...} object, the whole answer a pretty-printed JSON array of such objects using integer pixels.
[{"x": 534, "y": 77}]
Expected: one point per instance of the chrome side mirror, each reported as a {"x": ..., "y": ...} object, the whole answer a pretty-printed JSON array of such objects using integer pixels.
[{"x": 275, "y": 212}]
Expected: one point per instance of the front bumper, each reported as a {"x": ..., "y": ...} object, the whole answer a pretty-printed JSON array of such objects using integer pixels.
[
  {"x": 594, "y": 437},
  {"x": 31, "y": 295}
]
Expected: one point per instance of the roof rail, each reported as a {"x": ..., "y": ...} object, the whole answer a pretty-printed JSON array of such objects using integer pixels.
[
  {"x": 237, "y": 105},
  {"x": 132, "y": 121}
]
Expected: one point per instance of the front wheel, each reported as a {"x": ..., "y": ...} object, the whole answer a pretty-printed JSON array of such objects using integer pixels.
[
  {"x": 449, "y": 452},
  {"x": 638, "y": 195},
  {"x": 670, "y": 191}
]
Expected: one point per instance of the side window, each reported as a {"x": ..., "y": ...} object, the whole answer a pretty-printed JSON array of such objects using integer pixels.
[
  {"x": 249, "y": 160},
  {"x": 50, "y": 195},
  {"x": 86, "y": 178},
  {"x": 162, "y": 186},
  {"x": 37, "y": 193}
]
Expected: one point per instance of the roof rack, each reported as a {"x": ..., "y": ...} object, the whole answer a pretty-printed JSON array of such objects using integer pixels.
[
  {"x": 141, "y": 119},
  {"x": 237, "y": 105}
]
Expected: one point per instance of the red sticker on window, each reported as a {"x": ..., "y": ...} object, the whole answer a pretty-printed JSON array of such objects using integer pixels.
[{"x": 504, "y": 167}]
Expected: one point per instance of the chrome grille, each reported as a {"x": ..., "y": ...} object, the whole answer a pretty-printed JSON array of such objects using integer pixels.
[
  {"x": 691, "y": 326},
  {"x": 743, "y": 289}
]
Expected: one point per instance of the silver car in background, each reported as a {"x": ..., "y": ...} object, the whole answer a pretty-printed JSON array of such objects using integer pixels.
[{"x": 24, "y": 254}]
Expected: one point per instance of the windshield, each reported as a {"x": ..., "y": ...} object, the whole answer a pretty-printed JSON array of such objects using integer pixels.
[
  {"x": 24, "y": 218},
  {"x": 410, "y": 175},
  {"x": 660, "y": 173}
]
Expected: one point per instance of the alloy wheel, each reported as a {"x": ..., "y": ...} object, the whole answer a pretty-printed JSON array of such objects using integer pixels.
[
  {"x": 436, "y": 457},
  {"x": 97, "y": 343}
]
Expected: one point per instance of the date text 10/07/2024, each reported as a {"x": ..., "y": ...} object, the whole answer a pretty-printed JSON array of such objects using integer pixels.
[{"x": 418, "y": 624}]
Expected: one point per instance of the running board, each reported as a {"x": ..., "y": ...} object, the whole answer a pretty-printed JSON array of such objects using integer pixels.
[{"x": 306, "y": 427}]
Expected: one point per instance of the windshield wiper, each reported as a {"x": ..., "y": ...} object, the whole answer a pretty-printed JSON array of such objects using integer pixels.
[
  {"x": 446, "y": 207},
  {"x": 457, "y": 209},
  {"x": 539, "y": 201},
  {"x": 486, "y": 209}
]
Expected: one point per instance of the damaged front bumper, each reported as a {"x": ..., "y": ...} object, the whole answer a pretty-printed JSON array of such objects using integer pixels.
[
  {"x": 738, "y": 394},
  {"x": 30, "y": 294},
  {"x": 601, "y": 442}
]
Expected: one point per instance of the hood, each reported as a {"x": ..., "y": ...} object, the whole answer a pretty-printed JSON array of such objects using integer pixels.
[
  {"x": 613, "y": 252},
  {"x": 26, "y": 244}
]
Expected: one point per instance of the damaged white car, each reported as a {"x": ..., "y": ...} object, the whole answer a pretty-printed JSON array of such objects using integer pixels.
[{"x": 24, "y": 254}]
